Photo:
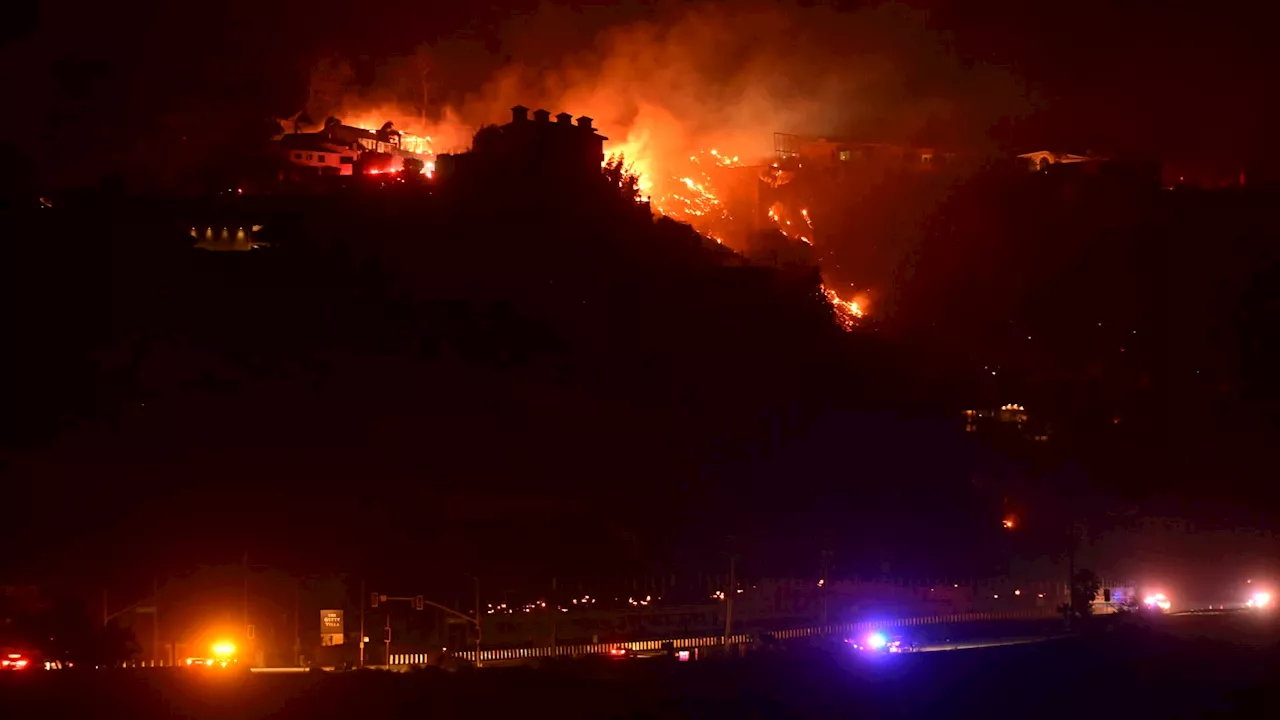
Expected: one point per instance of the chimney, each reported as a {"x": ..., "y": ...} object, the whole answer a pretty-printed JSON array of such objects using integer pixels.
[
  {"x": 584, "y": 122},
  {"x": 541, "y": 115},
  {"x": 519, "y": 113},
  {"x": 564, "y": 118}
]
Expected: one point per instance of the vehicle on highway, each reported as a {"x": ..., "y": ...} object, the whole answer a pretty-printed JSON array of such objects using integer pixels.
[
  {"x": 880, "y": 643},
  {"x": 1157, "y": 602},
  {"x": 207, "y": 662},
  {"x": 15, "y": 661},
  {"x": 223, "y": 654},
  {"x": 765, "y": 641},
  {"x": 626, "y": 653}
]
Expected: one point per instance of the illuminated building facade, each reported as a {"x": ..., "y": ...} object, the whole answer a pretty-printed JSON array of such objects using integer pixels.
[
  {"x": 325, "y": 158},
  {"x": 339, "y": 149},
  {"x": 834, "y": 152},
  {"x": 1010, "y": 417}
]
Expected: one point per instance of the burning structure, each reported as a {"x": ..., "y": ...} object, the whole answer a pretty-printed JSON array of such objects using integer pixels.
[
  {"x": 738, "y": 202},
  {"x": 1041, "y": 159},
  {"x": 338, "y": 149},
  {"x": 846, "y": 154},
  {"x": 1096, "y": 172}
]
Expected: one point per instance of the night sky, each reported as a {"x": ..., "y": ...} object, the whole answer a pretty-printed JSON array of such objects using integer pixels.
[{"x": 1183, "y": 81}]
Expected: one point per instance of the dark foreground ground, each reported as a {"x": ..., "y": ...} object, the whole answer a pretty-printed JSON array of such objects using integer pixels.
[{"x": 1191, "y": 667}]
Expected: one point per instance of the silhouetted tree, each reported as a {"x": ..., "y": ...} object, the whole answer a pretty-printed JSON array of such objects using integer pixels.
[
  {"x": 413, "y": 167},
  {"x": 486, "y": 138},
  {"x": 388, "y": 133},
  {"x": 1084, "y": 591},
  {"x": 622, "y": 176}
]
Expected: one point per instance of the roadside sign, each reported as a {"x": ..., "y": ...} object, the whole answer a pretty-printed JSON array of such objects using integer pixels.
[{"x": 331, "y": 627}]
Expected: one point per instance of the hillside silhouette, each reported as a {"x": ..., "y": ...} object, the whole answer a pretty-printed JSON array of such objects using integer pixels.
[
  {"x": 514, "y": 371},
  {"x": 520, "y": 369}
]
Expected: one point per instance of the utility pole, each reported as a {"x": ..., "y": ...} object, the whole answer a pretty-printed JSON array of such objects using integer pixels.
[
  {"x": 245, "y": 612},
  {"x": 555, "y": 615},
  {"x": 476, "y": 578},
  {"x": 155, "y": 619},
  {"x": 245, "y": 626},
  {"x": 297, "y": 637},
  {"x": 104, "y": 607},
  {"x": 826, "y": 567},
  {"x": 362, "y": 635},
  {"x": 728, "y": 598},
  {"x": 1071, "y": 574},
  {"x": 425, "y": 95},
  {"x": 386, "y": 632}
]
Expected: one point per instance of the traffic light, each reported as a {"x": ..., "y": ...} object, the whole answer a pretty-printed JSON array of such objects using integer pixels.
[
  {"x": 386, "y": 634},
  {"x": 417, "y": 602},
  {"x": 249, "y": 632},
  {"x": 373, "y": 600}
]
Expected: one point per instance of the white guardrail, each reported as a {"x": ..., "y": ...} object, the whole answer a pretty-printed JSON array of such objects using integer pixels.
[
  {"x": 408, "y": 660},
  {"x": 401, "y": 661}
]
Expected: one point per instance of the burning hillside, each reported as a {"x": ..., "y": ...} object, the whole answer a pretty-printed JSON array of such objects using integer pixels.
[
  {"x": 690, "y": 99},
  {"x": 687, "y": 194},
  {"x": 699, "y": 190}
]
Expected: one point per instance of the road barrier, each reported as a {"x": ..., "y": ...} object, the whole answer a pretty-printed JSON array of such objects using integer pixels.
[
  {"x": 404, "y": 661},
  {"x": 409, "y": 660}
]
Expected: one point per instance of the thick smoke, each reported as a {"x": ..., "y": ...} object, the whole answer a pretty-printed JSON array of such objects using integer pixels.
[{"x": 688, "y": 78}]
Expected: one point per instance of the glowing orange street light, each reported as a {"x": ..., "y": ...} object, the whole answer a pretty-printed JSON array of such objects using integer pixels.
[{"x": 1007, "y": 523}]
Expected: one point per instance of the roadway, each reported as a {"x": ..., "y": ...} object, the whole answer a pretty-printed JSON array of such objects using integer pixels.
[{"x": 990, "y": 643}]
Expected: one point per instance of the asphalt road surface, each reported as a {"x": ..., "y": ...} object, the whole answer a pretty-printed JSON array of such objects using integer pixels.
[
  {"x": 1182, "y": 667},
  {"x": 979, "y": 644}
]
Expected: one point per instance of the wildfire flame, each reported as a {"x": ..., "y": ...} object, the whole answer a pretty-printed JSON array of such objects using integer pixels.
[
  {"x": 410, "y": 142},
  {"x": 848, "y": 312},
  {"x": 785, "y": 226},
  {"x": 689, "y": 197},
  {"x": 692, "y": 199},
  {"x": 686, "y": 193}
]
